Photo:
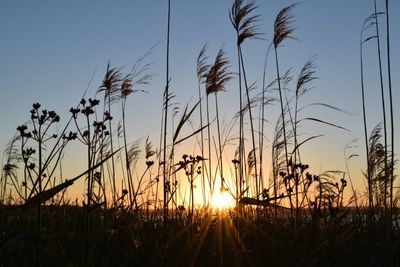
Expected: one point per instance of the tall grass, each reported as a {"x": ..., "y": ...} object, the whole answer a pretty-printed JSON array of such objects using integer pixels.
[
  {"x": 166, "y": 98},
  {"x": 389, "y": 72},
  {"x": 383, "y": 103},
  {"x": 244, "y": 23},
  {"x": 217, "y": 78},
  {"x": 368, "y": 23},
  {"x": 283, "y": 30},
  {"x": 202, "y": 70}
]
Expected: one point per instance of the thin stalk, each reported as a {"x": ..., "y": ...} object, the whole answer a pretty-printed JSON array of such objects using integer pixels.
[
  {"x": 209, "y": 150},
  {"x": 261, "y": 131},
  {"x": 369, "y": 178},
  {"x": 166, "y": 95},
  {"x": 251, "y": 124},
  {"x": 88, "y": 190},
  {"x": 202, "y": 146},
  {"x": 128, "y": 169},
  {"x": 202, "y": 70},
  {"x": 137, "y": 191},
  {"x": 383, "y": 108},
  {"x": 40, "y": 175},
  {"x": 159, "y": 156},
  {"x": 112, "y": 152},
  {"x": 191, "y": 192},
  {"x": 241, "y": 137},
  {"x": 219, "y": 142},
  {"x": 391, "y": 106},
  {"x": 282, "y": 109}
]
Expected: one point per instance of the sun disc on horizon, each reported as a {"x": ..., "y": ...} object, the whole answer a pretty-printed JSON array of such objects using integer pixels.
[{"x": 222, "y": 200}]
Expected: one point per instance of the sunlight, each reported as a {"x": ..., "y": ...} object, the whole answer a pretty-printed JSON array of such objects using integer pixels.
[{"x": 222, "y": 200}]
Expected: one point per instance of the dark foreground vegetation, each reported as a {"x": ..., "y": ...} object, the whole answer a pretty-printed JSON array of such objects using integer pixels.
[
  {"x": 133, "y": 212},
  {"x": 120, "y": 238}
]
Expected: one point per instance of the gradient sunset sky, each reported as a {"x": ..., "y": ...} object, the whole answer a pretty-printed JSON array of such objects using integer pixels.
[{"x": 49, "y": 51}]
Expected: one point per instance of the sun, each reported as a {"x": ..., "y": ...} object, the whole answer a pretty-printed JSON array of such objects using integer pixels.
[{"x": 222, "y": 200}]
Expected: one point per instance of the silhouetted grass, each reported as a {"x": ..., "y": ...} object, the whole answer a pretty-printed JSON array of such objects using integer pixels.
[{"x": 297, "y": 218}]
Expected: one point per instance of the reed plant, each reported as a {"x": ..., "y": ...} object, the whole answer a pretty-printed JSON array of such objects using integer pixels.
[
  {"x": 244, "y": 22},
  {"x": 165, "y": 116},
  {"x": 201, "y": 71},
  {"x": 389, "y": 73},
  {"x": 382, "y": 102},
  {"x": 283, "y": 29},
  {"x": 216, "y": 80}
]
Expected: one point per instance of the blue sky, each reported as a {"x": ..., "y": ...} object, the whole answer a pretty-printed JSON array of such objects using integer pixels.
[{"x": 49, "y": 51}]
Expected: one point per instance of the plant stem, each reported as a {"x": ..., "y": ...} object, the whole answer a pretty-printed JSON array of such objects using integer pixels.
[
  {"x": 369, "y": 178},
  {"x": 391, "y": 107},
  {"x": 251, "y": 124},
  {"x": 166, "y": 95},
  {"x": 383, "y": 109}
]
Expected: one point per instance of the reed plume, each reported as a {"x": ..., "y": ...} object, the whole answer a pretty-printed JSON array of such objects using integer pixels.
[
  {"x": 217, "y": 78},
  {"x": 110, "y": 87},
  {"x": 283, "y": 30},
  {"x": 245, "y": 25}
]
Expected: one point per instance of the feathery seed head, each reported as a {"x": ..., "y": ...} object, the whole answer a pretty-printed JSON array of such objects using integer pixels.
[
  {"x": 110, "y": 84},
  {"x": 307, "y": 75},
  {"x": 126, "y": 87},
  {"x": 218, "y": 74},
  {"x": 283, "y": 28},
  {"x": 202, "y": 66},
  {"x": 243, "y": 21}
]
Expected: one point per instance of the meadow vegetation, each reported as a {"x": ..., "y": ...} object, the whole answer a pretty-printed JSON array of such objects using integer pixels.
[{"x": 140, "y": 207}]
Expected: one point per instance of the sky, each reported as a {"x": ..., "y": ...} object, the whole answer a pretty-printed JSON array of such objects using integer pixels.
[{"x": 51, "y": 51}]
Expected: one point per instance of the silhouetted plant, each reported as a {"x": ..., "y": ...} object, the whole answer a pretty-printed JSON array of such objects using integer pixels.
[
  {"x": 202, "y": 71},
  {"x": 389, "y": 72},
  {"x": 190, "y": 165},
  {"x": 377, "y": 165},
  {"x": 283, "y": 30},
  {"x": 244, "y": 23},
  {"x": 166, "y": 99},
  {"x": 110, "y": 87},
  {"x": 383, "y": 104},
  {"x": 264, "y": 101},
  {"x": 138, "y": 77},
  {"x": 9, "y": 170},
  {"x": 307, "y": 75},
  {"x": 368, "y": 23},
  {"x": 40, "y": 165},
  {"x": 216, "y": 80}
]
